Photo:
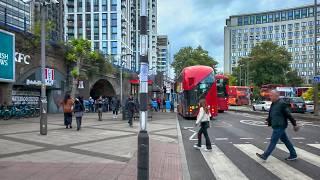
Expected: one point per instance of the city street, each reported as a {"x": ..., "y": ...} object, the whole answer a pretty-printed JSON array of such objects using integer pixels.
[
  {"x": 103, "y": 150},
  {"x": 236, "y": 137}
]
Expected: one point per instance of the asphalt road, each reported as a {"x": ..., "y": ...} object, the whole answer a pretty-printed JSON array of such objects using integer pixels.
[{"x": 236, "y": 137}]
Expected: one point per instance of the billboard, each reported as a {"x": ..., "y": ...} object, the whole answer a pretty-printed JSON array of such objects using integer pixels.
[{"x": 7, "y": 56}]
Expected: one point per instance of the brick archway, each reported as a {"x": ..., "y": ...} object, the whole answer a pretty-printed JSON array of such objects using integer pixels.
[{"x": 102, "y": 87}]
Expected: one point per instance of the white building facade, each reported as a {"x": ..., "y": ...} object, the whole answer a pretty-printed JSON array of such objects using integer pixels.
[{"x": 291, "y": 28}]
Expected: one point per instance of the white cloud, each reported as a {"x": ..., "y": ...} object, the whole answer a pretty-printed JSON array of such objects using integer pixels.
[{"x": 201, "y": 22}]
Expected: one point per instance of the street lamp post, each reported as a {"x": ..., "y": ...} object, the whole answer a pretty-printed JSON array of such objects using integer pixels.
[
  {"x": 143, "y": 137},
  {"x": 315, "y": 84},
  {"x": 43, "y": 105}
]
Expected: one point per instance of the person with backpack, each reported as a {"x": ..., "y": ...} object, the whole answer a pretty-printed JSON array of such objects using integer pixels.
[
  {"x": 78, "y": 111},
  {"x": 67, "y": 105},
  {"x": 203, "y": 119}
]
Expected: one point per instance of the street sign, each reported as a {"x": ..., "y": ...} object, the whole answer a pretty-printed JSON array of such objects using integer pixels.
[
  {"x": 7, "y": 56},
  {"x": 316, "y": 79}
]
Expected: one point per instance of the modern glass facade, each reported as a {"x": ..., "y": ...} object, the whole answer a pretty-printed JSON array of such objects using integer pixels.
[
  {"x": 289, "y": 28},
  {"x": 16, "y": 14}
]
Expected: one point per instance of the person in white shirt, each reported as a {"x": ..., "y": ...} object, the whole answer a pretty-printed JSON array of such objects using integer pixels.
[{"x": 203, "y": 119}]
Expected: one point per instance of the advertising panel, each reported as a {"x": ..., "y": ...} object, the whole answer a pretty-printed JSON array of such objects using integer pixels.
[{"x": 7, "y": 56}]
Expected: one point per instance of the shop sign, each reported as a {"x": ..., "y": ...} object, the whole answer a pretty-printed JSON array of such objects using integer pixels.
[
  {"x": 38, "y": 82},
  {"x": 7, "y": 56},
  {"x": 49, "y": 76},
  {"x": 22, "y": 58},
  {"x": 29, "y": 100}
]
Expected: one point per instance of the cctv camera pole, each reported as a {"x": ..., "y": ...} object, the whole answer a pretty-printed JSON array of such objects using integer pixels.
[
  {"x": 43, "y": 108},
  {"x": 143, "y": 137},
  {"x": 315, "y": 87}
]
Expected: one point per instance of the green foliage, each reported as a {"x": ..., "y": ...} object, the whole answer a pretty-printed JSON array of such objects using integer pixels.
[
  {"x": 232, "y": 80},
  {"x": 37, "y": 32},
  {"x": 292, "y": 79},
  {"x": 256, "y": 93},
  {"x": 188, "y": 56},
  {"x": 75, "y": 72},
  {"x": 308, "y": 95}
]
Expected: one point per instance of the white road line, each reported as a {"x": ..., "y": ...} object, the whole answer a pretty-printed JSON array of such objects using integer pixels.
[
  {"x": 246, "y": 138},
  {"x": 221, "y": 166},
  {"x": 302, "y": 154},
  {"x": 300, "y": 138},
  {"x": 275, "y": 166},
  {"x": 222, "y": 139},
  {"x": 314, "y": 145},
  {"x": 268, "y": 138}
]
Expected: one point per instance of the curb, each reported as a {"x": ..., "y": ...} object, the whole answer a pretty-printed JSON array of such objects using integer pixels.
[
  {"x": 184, "y": 164},
  {"x": 296, "y": 116}
]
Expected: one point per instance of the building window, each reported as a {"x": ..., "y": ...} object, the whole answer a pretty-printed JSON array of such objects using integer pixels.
[
  {"x": 283, "y": 27},
  {"x": 246, "y": 20},
  {"x": 270, "y": 18},
  {"x": 252, "y": 19},
  {"x": 113, "y": 5},
  {"x": 257, "y": 30},
  {"x": 290, "y": 34},
  {"x": 258, "y": 19},
  {"x": 311, "y": 10},
  {"x": 290, "y": 49},
  {"x": 113, "y": 47},
  {"x": 283, "y": 16},
  {"x": 296, "y": 25},
  {"x": 283, "y": 43},
  {"x": 251, "y": 30},
  {"x": 270, "y": 36},
  {"x": 277, "y": 17},
  {"x": 79, "y": 6},
  {"x": 96, "y": 26},
  {"x": 304, "y": 12},
  {"x": 283, "y": 35},
  {"x": 245, "y": 38},
  {"x": 88, "y": 26},
  {"x": 290, "y": 26},
  {"x": 310, "y": 23},
  {"x": 270, "y": 28},
  {"x": 104, "y": 5},
  {"x": 276, "y": 27},
  {"x": 264, "y": 29},
  {"x": 264, "y": 19},
  {"x": 104, "y": 47},
  {"x": 80, "y": 28},
  {"x": 113, "y": 26},
  {"x": 88, "y": 5},
  {"x": 297, "y": 34},
  {"x": 290, "y": 15},
  {"x": 297, "y": 14},
  {"x": 290, "y": 42},
  {"x": 310, "y": 31}
]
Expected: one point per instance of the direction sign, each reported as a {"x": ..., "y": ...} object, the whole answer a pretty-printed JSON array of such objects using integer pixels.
[{"x": 316, "y": 79}]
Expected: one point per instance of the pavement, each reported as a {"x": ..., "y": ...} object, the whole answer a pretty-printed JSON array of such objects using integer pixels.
[
  {"x": 100, "y": 150},
  {"x": 237, "y": 136}
]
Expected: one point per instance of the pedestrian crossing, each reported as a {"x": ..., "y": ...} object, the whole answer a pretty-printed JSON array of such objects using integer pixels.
[{"x": 223, "y": 166}]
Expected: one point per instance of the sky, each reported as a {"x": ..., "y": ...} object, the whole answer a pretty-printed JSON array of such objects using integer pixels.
[{"x": 201, "y": 22}]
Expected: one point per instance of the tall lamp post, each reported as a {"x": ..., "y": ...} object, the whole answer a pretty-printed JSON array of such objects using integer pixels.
[
  {"x": 43, "y": 106},
  {"x": 143, "y": 137},
  {"x": 315, "y": 84}
]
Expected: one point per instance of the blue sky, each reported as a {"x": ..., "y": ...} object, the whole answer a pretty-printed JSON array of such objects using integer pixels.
[{"x": 201, "y": 22}]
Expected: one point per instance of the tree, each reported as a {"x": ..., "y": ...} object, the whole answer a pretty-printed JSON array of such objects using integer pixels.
[
  {"x": 86, "y": 63},
  {"x": 187, "y": 56},
  {"x": 232, "y": 80},
  {"x": 308, "y": 95},
  {"x": 292, "y": 79}
]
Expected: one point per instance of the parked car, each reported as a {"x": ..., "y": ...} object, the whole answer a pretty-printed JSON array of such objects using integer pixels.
[
  {"x": 309, "y": 106},
  {"x": 261, "y": 105},
  {"x": 295, "y": 104}
]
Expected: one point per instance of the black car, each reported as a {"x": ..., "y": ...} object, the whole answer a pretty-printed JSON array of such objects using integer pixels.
[{"x": 295, "y": 104}]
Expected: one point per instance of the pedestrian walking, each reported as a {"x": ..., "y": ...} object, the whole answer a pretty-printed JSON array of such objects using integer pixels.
[
  {"x": 164, "y": 105},
  {"x": 115, "y": 105},
  {"x": 78, "y": 111},
  {"x": 131, "y": 109},
  {"x": 91, "y": 104},
  {"x": 99, "y": 105},
  {"x": 67, "y": 105},
  {"x": 203, "y": 119},
  {"x": 159, "y": 103},
  {"x": 279, "y": 114}
]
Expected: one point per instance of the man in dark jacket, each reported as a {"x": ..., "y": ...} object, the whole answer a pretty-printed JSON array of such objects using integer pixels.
[
  {"x": 131, "y": 108},
  {"x": 278, "y": 120}
]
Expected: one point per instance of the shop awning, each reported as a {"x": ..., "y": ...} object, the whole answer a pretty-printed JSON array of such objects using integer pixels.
[{"x": 136, "y": 81}]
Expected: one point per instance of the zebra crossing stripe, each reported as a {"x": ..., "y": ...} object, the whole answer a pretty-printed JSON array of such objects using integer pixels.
[
  {"x": 315, "y": 145},
  {"x": 275, "y": 166},
  {"x": 302, "y": 154},
  {"x": 221, "y": 166}
]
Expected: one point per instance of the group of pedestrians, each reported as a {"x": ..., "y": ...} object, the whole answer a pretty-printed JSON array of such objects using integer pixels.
[
  {"x": 277, "y": 119},
  {"x": 160, "y": 105},
  {"x": 72, "y": 106}
]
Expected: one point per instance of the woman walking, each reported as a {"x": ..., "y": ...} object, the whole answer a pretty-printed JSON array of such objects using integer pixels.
[
  {"x": 78, "y": 111},
  {"x": 115, "y": 105},
  {"x": 203, "y": 119},
  {"x": 67, "y": 109}
]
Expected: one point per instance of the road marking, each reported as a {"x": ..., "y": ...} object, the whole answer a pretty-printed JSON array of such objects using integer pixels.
[
  {"x": 253, "y": 122},
  {"x": 301, "y": 138},
  {"x": 305, "y": 155},
  {"x": 314, "y": 145},
  {"x": 192, "y": 137},
  {"x": 275, "y": 166},
  {"x": 265, "y": 142},
  {"x": 222, "y": 139},
  {"x": 268, "y": 138},
  {"x": 246, "y": 138},
  {"x": 221, "y": 166}
]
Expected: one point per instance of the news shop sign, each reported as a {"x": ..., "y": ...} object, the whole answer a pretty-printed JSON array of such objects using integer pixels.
[{"x": 7, "y": 56}]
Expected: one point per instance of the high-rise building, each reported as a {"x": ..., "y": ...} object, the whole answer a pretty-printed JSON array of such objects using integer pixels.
[
  {"x": 152, "y": 34},
  {"x": 16, "y": 14},
  {"x": 291, "y": 28},
  {"x": 163, "y": 63}
]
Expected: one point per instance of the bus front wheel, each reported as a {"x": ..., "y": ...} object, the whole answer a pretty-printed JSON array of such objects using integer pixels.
[{"x": 221, "y": 111}]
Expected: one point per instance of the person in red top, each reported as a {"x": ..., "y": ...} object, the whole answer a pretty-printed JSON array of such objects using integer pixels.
[{"x": 67, "y": 105}]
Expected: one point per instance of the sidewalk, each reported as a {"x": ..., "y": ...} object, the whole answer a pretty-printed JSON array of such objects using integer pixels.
[{"x": 100, "y": 150}]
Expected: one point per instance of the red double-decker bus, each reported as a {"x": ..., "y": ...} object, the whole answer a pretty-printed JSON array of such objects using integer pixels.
[
  {"x": 196, "y": 82},
  {"x": 223, "y": 92}
]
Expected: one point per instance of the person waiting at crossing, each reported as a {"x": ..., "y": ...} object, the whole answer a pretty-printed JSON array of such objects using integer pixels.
[{"x": 203, "y": 119}]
